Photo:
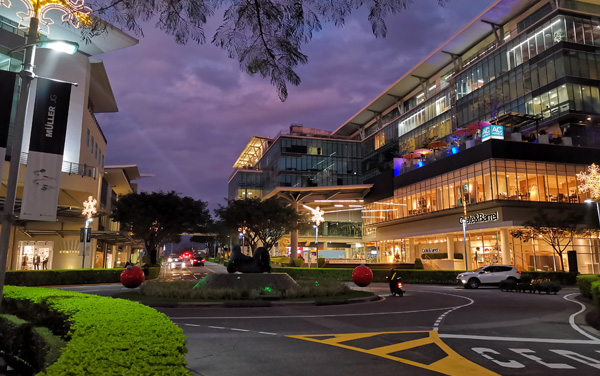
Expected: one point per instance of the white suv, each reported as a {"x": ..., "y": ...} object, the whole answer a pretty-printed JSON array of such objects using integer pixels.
[{"x": 488, "y": 275}]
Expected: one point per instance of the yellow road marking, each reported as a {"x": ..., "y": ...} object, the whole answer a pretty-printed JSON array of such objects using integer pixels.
[{"x": 452, "y": 364}]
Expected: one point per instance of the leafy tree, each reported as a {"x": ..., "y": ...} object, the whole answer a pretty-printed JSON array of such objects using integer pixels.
[
  {"x": 159, "y": 218},
  {"x": 556, "y": 231},
  {"x": 265, "y": 221},
  {"x": 265, "y": 36}
]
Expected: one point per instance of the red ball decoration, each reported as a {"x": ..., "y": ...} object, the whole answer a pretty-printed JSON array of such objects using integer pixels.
[
  {"x": 132, "y": 277},
  {"x": 362, "y": 276}
]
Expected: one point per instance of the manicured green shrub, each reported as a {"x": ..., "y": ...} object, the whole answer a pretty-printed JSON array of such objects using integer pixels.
[
  {"x": 418, "y": 264},
  {"x": 298, "y": 262},
  {"x": 443, "y": 277},
  {"x": 565, "y": 279},
  {"x": 105, "y": 336},
  {"x": 596, "y": 293},
  {"x": 441, "y": 256},
  {"x": 321, "y": 262},
  {"x": 584, "y": 282},
  {"x": 68, "y": 276},
  {"x": 29, "y": 348}
]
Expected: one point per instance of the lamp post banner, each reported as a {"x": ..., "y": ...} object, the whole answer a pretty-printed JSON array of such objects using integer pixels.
[
  {"x": 7, "y": 89},
  {"x": 46, "y": 146}
]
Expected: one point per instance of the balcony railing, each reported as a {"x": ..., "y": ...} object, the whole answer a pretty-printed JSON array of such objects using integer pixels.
[{"x": 70, "y": 168}]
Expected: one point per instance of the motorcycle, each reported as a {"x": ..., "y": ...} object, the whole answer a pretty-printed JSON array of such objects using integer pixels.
[{"x": 396, "y": 286}]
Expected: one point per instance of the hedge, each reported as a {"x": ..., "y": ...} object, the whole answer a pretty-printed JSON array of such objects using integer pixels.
[
  {"x": 68, "y": 276},
  {"x": 443, "y": 277},
  {"x": 596, "y": 293},
  {"x": 105, "y": 336},
  {"x": 585, "y": 284},
  {"x": 29, "y": 348}
]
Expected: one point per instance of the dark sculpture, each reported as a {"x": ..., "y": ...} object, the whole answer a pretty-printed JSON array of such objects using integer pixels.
[{"x": 259, "y": 263}]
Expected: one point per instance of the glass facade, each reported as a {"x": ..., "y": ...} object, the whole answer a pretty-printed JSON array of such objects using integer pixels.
[
  {"x": 494, "y": 179},
  {"x": 245, "y": 184},
  {"x": 310, "y": 162},
  {"x": 521, "y": 76}
]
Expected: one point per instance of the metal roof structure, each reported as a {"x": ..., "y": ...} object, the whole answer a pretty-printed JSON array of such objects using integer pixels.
[
  {"x": 253, "y": 152},
  {"x": 498, "y": 13}
]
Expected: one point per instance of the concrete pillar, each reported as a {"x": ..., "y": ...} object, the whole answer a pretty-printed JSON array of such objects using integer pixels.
[
  {"x": 450, "y": 246},
  {"x": 505, "y": 246}
]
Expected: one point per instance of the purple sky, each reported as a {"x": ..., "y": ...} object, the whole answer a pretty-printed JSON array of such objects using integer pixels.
[{"x": 186, "y": 112}]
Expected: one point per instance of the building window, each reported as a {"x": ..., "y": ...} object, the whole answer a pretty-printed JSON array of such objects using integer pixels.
[
  {"x": 87, "y": 142},
  {"x": 96, "y": 151},
  {"x": 92, "y": 149}
]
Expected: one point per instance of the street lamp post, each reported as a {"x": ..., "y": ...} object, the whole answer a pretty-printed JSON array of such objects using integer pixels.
[
  {"x": 89, "y": 209},
  {"x": 318, "y": 219},
  {"x": 464, "y": 225}
]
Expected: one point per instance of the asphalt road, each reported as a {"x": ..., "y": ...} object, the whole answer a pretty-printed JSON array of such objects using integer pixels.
[{"x": 432, "y": 330}]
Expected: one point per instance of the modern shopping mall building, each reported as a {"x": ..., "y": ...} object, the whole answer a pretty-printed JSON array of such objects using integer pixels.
[{"x": 424, "y": 147}]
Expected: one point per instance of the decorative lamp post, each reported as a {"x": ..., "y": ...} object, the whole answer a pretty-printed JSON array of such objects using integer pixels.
[
  {"x": 89, "y": 209},
  {"x": 317, "y": 218},
  {"x": 590, "y": 183},
  {"x": 464, "y": 226},
  {"x": 75, "y": 13}
]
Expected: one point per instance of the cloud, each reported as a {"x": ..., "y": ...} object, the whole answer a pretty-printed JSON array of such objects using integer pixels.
[{"x": 187, "y": 111}]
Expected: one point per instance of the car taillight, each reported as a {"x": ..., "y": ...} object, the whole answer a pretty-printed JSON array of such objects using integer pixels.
[
  {"x": 518, "y": 272},
  {"x": 203, "y": 260},
  {"x": 399, "y": 285}
]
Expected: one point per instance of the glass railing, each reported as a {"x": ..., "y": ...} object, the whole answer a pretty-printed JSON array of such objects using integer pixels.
[
  {"x": 336, "y": 229},
  {"x": 70, "y": 168}
]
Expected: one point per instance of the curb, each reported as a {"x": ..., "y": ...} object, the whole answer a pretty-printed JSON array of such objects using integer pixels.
[{"x": 262, "y": 303}]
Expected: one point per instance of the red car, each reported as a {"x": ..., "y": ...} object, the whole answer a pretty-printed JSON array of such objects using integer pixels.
[{"x": 193, "y": 260}]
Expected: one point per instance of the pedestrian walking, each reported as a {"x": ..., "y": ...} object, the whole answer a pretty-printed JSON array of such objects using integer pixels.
[
  {"x": 45, "y": 263},
  {"x": 36, "y": 262}
]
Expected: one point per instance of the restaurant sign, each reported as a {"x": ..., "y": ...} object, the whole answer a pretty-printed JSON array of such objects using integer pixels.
[
  {"x": 479, "y": 218},
  {"x": 431, "y": 250},
  {"x": 492, "y": 132}
]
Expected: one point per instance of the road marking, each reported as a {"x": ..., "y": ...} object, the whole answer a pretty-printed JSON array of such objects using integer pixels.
[
  {"x": 452, "y": 364},
  {"x": 527, "y": 353},
  {"x": 216, "y": 327},
  {"x": 268, "y": 333},
  {"x": 239, "y": 330},
  {"x": 572, "y": 319},
  {"x": 484, "y": 353},
  {"x": 308, "y": 316},
  {"x": 579, "y": 358},
  {"x": 517, "y": 339},
  {"x": 191, "y": 325},
  {"x": 437, "y": 323}
]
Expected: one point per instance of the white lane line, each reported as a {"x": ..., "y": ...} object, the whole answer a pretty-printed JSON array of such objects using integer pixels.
[
  {"x": 191, "y": 325},
  {"x": 436, "y": 325},
  {"x": 239, "y": 330},
  {"x": 216, "y": 327},
  {"x": 268, "y": 333},
  {"x": 516, "y": 339},
  {"x": 311, "y": 316},
  {"x": 572, "y": 319}
]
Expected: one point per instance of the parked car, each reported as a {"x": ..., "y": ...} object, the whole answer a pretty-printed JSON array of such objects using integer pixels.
[{"x": 488, "y": 275}]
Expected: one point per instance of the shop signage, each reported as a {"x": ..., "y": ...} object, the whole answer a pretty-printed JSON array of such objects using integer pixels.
[
  {"x": 492, "y": 132},
  {"x": 44, "y": 162},
  {"x": 479, "y": 218},
  {"x": 431, "y": 250}
]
